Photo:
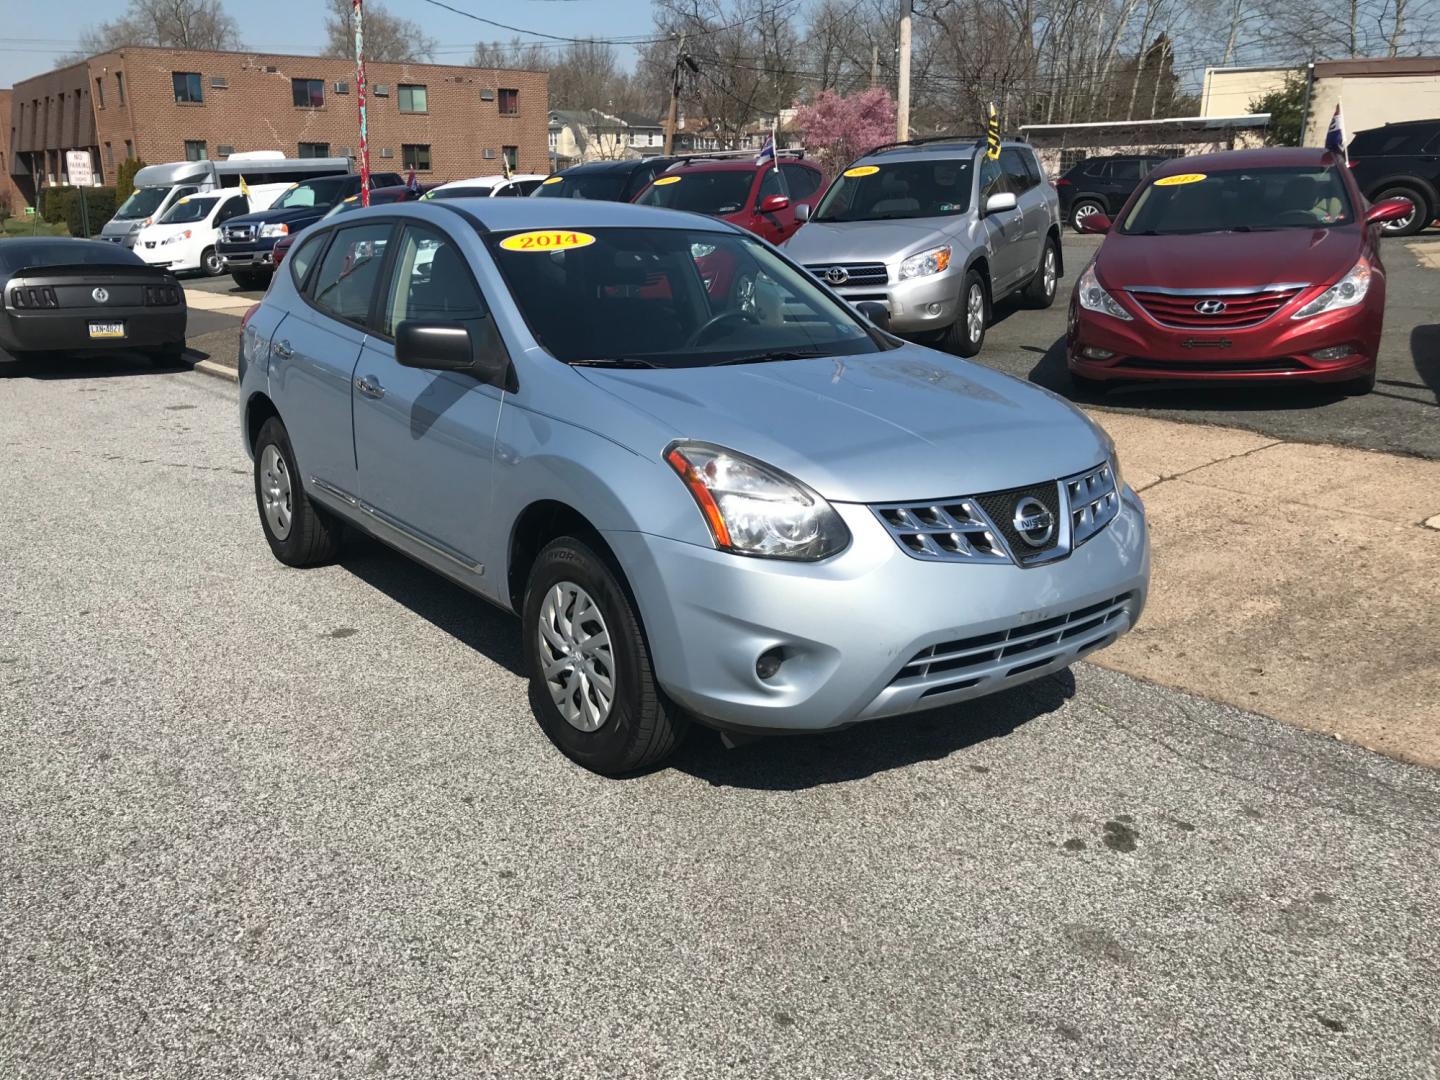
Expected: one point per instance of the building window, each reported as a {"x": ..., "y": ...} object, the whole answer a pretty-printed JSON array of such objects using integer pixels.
[
  {"x": 1070, "y": 157},
  {"x": 554, "y": 140},
  {"x": 314, "y": 149},
  {"x": 129, "y": 149},
  {"x": 415, "y": 156},
  {"x": 308, "y": 93},
  {"x": 195, "y": 150},
  {"x": 120, "y": 88},
  {"x": 509, "y": 102},
  {"x": 109, "y": 156},
  {"x": 512, "y": 157},
  {"x": 99, "y": 93},
  {"x": 187, "y": 86},
  {"x": 412, "y": 98}
]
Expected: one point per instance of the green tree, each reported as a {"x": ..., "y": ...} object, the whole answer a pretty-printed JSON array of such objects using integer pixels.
[
  {"x": 1286, "y": 107},
  {"x": 125, "y": 177}
]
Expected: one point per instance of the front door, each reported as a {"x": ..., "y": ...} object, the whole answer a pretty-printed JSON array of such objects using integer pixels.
[
  {"x": 775, "y": 226},
  {"x": 425, "y": 440}
]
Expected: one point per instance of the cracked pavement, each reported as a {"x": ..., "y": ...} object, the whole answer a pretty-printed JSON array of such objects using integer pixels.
[{"x": 265, "y": 822}]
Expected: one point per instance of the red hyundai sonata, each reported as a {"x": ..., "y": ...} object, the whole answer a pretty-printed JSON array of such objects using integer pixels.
[{"x": 1242, "y": 266}]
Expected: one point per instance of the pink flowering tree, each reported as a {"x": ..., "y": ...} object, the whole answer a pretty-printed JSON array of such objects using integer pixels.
[{"x": 839, "y": 129}]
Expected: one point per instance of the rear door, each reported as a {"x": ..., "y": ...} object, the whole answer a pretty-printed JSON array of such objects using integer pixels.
[
  {"x": 315, "y": 351},
  {"x": 1121, "y": 178},
  {"x": 1029, "y": 193},
  {"x": 1003, "y": 228}
]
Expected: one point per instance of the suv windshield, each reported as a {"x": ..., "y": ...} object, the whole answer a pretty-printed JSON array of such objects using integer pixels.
[
  {"x": 606, "y": 186},
  {"x": 671, "y": 298},
  {"x": 713, "y": 192},
  {"x": 1241, "y": 200},
  {"x": 909, "y": 189},
  {"x": 322, "y": 192},
  {"x": 188, "y": 209},
  {"x": 142, "y": 202}
]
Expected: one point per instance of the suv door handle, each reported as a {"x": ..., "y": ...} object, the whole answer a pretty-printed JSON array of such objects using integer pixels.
[
  {"x": 283, "y": 350},
  {"x": 367, "y": 385}
]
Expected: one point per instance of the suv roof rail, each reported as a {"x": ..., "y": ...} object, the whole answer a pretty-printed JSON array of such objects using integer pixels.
[
  {"x": 963, "y": 140},
  {"x": 731, "y": 155}
]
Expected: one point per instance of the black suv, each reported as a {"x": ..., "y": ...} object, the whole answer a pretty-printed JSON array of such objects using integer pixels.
[
  {"x": 1100, "y": 185},
  {"x": 608, "y": 181},
  {"x": 1400, "y": 160},
  {"x": 247, "y": 243}
]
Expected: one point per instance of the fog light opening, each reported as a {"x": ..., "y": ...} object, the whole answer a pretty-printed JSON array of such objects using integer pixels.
[
  {"x": 1334, "y": 352},
  {"x": 933, "y": 309},
  {"x": 1092, "y": 352},
  {"x": 767, "y": 666}
]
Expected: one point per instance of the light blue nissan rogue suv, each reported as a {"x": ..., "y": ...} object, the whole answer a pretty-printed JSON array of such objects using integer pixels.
[{"x": 709, "y": 487}]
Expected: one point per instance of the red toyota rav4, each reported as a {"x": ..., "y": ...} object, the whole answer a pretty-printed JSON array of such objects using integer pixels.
[
  {"x": 1248, "y": 265},
  {"x": 764, "y": 199}
]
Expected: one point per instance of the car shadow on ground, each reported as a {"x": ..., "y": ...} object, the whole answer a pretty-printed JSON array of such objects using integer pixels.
[
  {"x": 96, "y": 366},
  {"x": 1050, "y": 372},
  {"x": 468, "y": 619},
  {"x": 797, "y": 762},
  {"x": 1425, "y": 351}
]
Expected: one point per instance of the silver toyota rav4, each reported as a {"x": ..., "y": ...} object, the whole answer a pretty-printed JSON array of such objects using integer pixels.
[
  {"x": 708, "y": 488},
  {"x": 938, "y": 232}
]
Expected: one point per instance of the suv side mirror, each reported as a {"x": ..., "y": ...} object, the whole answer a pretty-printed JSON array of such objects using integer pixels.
[
  {"x": 473, "y": 345},
  {"x": 772, "y": 204},
  {"x": 802, "y": 212},
  {"x": 1094, "y": 223},
  {"x": 998, "y": 203},
  {"x": 876, "y": 312},
  {"x": 1388, "y": 210}
]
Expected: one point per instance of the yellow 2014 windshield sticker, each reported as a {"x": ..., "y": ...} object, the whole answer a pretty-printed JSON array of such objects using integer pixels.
[
  {"x": 1182, "y": 178},
  {"x": 551, "y": 180},
  {"x": 547, "y": 240},
  {"x": 863, "y": 170},
  {"x": 667, "y": 180}
]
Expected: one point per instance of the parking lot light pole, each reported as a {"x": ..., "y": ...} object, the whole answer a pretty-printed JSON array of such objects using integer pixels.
[{"x": 902, "y": 89}]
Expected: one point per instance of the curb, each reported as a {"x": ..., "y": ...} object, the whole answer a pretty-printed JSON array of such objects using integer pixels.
[{"x": 217, "y": 371}]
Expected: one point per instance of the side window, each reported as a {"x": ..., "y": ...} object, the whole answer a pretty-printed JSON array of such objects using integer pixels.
[
  {"x": 431, "y": 283},
  {"x": 1012, "y": 162},
  {"x": 638, "y": 179},
  {"x": 992, "y": 179},
  {"x": 802, "y": 180},
  {"x": 1032, "y": 166},
  {"x": 770, "y": 184},
  {"x": 346, "y": 279},
  {"x": 1433, "y": 146},
  {"x": 525, "y": 187},
  {"x": 303, "y": 256},
  {"x": 233, "y": 207},
  {"x": 1124, "y": 172},
  {"x": 504, "y": 191}
]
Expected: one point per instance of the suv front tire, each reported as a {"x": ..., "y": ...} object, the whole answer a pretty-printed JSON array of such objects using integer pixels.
[{"x": 967, "y": 333}]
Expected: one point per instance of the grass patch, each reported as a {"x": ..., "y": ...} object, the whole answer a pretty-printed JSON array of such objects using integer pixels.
[{"x": 24, "y": 226}]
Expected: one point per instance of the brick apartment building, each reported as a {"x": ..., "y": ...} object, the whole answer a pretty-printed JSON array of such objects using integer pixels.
[
  {"x": 10, "y": 197},
  {"x": 445, "y": 121}
]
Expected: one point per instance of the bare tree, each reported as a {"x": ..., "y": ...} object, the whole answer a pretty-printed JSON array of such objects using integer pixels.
[
  {"x": 522, "y": 55},
  {"x": 387, "y": 37},
  {"x": 176, "y": 24}
]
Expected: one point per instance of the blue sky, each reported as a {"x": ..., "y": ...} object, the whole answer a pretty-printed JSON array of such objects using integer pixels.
[{"x": 39, "y": 30}]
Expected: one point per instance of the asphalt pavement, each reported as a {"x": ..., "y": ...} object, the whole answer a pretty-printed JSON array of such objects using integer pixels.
[{"x": 264, "y": 822}]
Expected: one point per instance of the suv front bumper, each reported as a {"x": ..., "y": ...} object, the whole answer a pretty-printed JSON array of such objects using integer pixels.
[{"x": 916, "y": 306}]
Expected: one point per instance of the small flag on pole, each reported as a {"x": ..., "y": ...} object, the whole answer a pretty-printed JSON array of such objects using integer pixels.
[
  {"x": 766, "y": 156},
  {"x": 244, "y": 188},
  {"x": 1335, "y": 134},
  {"x": 412, "y": 183},
  {"x": 992, "y": 132}
]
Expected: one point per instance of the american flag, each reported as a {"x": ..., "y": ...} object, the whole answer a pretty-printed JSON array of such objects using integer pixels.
[
  {"x": 766, "y": 156},
  {"x": 1335, "y": 134}
]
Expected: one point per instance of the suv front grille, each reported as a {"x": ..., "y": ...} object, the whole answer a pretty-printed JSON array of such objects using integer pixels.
[
  {"x": 239, "y": 234},
  {"x": 1236, "y": 310},
  {"x": 854, "y": 273},
  {"x": 983, "y": 528}
]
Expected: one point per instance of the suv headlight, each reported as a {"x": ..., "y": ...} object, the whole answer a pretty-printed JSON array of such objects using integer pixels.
[
  {"x": 1347, "y": 292},
  {"x": 926, "y": 263},
  {"x": 752, "y": 509},
  {"x": 1093, "y": 297},
  {"x": 274, "y": 230}
]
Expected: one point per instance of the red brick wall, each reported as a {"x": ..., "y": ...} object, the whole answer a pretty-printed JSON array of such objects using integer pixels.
[
  {"x": 256, "y": 111},
  {"x": 10, "y": 197}
]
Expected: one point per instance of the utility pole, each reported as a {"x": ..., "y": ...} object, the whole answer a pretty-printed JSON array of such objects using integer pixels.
[
  {"x": 681, "y": 58},
  {"x": 359, "y": 18},
  {"x": 902, "y": 95},
  {"x": 874, "y": 66}
]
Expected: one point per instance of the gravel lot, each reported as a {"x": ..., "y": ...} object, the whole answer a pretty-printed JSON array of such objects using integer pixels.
[{"x": 262, "y": 822}]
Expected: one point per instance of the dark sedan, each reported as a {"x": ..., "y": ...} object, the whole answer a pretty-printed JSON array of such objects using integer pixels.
[{"x": 80, "y": 296}]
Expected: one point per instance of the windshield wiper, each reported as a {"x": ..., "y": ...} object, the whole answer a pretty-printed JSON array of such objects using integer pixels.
[
  {"x": 773, "y": 354},
  {"x": 614, "y": 361}
]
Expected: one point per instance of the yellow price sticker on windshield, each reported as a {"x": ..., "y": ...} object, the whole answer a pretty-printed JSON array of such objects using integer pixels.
[
  {"x": 863, "y": 170},
  {"x": 667, "y": 180},
  {"x": 350, "y": 198},
  {"x": 551, "y": 180},
  {"x": 1182, "y": 178},
  {"x": 185, "y": 200},
  {"x": 547, "y": 240}
]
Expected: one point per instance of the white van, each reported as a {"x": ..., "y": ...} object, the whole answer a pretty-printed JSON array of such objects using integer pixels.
[
  {"x": 183, "y": 237},
  {"x": 267, "y": 173}
]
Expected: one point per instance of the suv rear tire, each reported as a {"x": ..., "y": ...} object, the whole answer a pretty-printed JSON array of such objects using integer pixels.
[
  {"x": 1416, "y": 221},
  {"x": 299, "y": 532},
  {"x": 574, "y": 598},
  {"x": 967, "y": 333},
  {"x": 1040, "y": 292}
]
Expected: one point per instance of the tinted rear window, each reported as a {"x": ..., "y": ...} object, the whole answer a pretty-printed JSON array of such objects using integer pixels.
[
  {"x": 713, "y": 192},
  {"x": 17, "y": 253},
  {"x": 605, "y": 186}
]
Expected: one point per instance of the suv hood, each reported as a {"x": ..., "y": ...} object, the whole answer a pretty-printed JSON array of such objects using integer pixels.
[
  {"x": 866, "y": 241},
  {"x": 288, "y": 216},
  {"x": 895, "y": 426},
  {"x": 1228, "y": 260}
]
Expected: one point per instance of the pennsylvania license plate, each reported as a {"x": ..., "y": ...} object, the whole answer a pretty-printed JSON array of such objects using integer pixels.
[{"x": 107, "y": 329}]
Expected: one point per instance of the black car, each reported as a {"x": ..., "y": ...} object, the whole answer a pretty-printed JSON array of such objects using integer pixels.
[
  {"x": 609, "y": 181},
  {"x": 1400, "y": 160},
  {"x": 246, "y": 246},
  {"x": 1100, "y": 185},
  {"x": 80, "y": 296}
]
